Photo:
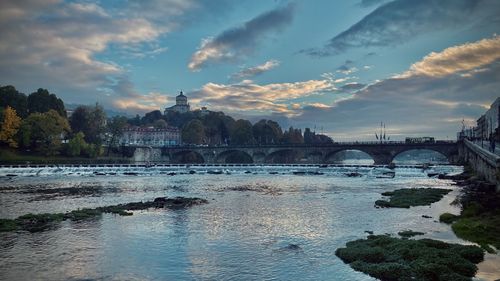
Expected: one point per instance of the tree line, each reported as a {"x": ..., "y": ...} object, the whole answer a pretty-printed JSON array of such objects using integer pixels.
[
  {"x": 216, "y": 128},
  {"x": 38, "y": 122}
]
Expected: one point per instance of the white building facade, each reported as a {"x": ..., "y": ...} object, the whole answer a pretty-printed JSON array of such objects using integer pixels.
[{"x": 151, "y": 137}]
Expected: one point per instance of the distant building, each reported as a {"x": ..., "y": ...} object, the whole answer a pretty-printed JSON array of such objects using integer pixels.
[
  {"x": 481, "y": 130},
  {"x": 204, "y": 111},
  {"x": 181, "y": 104},
  {"x": 467, "y": 133},
  {"x": 151, "y": 136},
  {"x": 492, "y": 117},
  {"x": 486, "y": 125}
]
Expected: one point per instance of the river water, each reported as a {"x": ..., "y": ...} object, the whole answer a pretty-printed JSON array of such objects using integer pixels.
[{"x": 247, "y": 231}]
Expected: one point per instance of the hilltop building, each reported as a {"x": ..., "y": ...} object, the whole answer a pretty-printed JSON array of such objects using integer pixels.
[
  {"x": 150, "y": 136},
  {"x": 181, "y": 104}
]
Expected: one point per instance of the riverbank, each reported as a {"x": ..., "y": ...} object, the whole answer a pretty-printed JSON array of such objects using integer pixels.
[
  {"x": 479, "y": 219},
  {"x": 11, "y": 157},
  {"x": 389, "y": 258}
]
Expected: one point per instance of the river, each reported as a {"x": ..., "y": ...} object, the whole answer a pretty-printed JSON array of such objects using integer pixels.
[{"x": 249, "y": 230}]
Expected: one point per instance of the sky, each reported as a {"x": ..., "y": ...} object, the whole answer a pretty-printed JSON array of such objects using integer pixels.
[{"x": 342, "y": 67}]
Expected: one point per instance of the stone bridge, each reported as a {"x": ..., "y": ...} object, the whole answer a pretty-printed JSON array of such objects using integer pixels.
[{"x": 381, "y": 153}]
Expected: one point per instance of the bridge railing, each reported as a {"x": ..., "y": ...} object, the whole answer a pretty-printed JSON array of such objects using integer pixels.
[{"x": 302, "y": 145}]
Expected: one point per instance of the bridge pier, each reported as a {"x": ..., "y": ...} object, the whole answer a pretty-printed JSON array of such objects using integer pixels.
[{"x": 382, "y": 158}]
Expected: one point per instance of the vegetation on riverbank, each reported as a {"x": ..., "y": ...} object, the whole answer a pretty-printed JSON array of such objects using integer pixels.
[
  {"x": 14, "y": 157},
  {"x": 479, "y": 220},
  {"x": 388, "y": 258},
  {"x": 39, "y": 222},
  {"x": 408, "y": 197}
]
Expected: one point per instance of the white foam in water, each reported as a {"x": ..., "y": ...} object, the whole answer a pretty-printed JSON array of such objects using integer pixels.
[{"x": 331, "y": 170}]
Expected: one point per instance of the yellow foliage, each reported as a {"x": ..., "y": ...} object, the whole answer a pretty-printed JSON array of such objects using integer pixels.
[{"x": 10, "y": 126}]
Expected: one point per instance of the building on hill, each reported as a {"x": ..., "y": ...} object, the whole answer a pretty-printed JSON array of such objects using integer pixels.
[
  {"x": 150, "y": 136},
  {"x": 181, "y": 104}
]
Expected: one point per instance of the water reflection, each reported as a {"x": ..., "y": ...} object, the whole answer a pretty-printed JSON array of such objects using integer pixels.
[{"x": 244, "y": 233}]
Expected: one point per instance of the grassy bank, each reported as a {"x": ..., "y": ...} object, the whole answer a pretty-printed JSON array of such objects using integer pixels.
[
  {"x": 388, "y": 258},
  {"x": 407, "y": 197},
  {"x": 11, "y": 157},
  {"x": 39, "y": 222},
  {"x": 479, "y": 220}
]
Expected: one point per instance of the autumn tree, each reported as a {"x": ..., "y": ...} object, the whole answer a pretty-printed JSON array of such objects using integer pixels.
[{"x": 10, "y": 126}]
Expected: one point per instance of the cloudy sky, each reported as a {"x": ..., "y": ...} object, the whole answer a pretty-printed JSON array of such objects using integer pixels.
[{"x": 340, "y": 66}]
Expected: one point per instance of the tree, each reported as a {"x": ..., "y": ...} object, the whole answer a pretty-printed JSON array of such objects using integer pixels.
[
  {"x": 42, "y": 101},
  {"x": 76, "y": 145},
  {"x": 136, "y": 121},
  {"x": 160, "y": 124},
  {"x": 308, "y": 136},
  {"x": 242, "y": 132},
  {"x": 44, "y": 131},
  {"x": 292, "y": 136},
  {"x": 313, "y": 138},
  {"x": 193, "y": 132},
  {"x": 267, "y": 132},
  {"x": 151, "y": 117},
  {"x": 91, "y": 120},
  {"x": 115, "y": 128},
  {"x": 10, "y": 126},
  {"x": 9, "y": 96}
]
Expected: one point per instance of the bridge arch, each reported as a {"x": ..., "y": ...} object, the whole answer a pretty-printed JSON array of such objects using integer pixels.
[
  {"x": 234, "y": 156},
  {"x": 436, "y": 151},
  {"x": 187, "y": 156},
  {"x": 329, "y": 157},
  {"x": 283, "y": 156},
  {"x": 314, "y": 157}
]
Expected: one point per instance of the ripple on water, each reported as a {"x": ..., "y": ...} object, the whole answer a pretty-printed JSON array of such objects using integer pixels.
[{"x": 244, "y": 233}]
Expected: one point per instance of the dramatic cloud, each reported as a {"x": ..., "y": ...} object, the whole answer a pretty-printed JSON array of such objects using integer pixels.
[
  {"x": 461, "y": 58},
  {"x": 56, "y": 45},
  {"x": 402, "y": 20},
  {"x": 258, "y": 99},
  {"x": 430, "y": 99},
  {"x": 255, "y": 70},
  {"x": 129, "y": 99},
  {"x": 240, "y": 41}
]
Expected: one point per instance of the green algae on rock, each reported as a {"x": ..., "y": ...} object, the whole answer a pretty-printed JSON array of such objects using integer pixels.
[
  {"x": 388, "y": 258},
  {"x": 408, "y": 197},
  {"x": 39, "y": 222}
]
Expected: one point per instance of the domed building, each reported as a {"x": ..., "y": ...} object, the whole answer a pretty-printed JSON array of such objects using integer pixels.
[{"x": 181, "y": 104}]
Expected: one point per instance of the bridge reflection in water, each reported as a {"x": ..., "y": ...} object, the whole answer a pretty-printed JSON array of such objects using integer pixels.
[{"x": 381, "y": 153}]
